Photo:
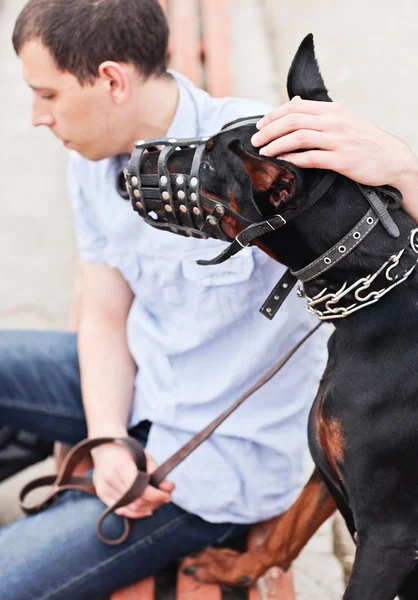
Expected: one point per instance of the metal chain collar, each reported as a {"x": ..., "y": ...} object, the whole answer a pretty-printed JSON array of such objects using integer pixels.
[{"x": 326, "y": 306}]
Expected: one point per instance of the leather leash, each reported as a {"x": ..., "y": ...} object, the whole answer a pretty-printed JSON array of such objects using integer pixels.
[{"x": 65, "y": 480}]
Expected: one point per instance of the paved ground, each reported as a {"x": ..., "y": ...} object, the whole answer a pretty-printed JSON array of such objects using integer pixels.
[
  {"x": 36, "y": 242},
  {"x": 368, "y": 63}
]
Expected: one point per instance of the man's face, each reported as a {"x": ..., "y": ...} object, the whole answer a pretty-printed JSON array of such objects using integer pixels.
[{"x": 83, "y": 117}]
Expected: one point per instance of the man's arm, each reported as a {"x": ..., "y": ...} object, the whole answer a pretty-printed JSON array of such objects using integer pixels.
[
  {"x": 107, "y": 380},
  {"x": 106, "y": 366},
  {"x": 75, "y": 305},
  {"x": 337, "y": 139}
]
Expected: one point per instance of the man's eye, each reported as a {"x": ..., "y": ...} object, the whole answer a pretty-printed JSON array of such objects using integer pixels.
[{"x": 48, "y": 97}]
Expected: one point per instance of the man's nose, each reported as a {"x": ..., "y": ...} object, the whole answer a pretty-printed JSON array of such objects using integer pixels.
[{"x": 41, "y": 116}]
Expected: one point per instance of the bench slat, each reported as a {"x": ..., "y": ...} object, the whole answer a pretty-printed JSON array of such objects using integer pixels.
[
  {"x": 142, "y": 590},
  {"x": 188, "y": 588},
  {"x": 185, "y": 45},
  {"x": 217, "y": 48}
]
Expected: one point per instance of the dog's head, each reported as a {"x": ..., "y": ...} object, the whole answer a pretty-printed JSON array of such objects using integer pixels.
[{"x": 219, "y": 186}]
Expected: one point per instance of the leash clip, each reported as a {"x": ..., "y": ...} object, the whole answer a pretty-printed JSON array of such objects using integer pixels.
[
  {"x": 414, "y": 240},
  {"x": 283, "y": 221}
]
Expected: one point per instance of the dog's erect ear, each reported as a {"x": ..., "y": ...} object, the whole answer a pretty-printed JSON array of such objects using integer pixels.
[
  {"x": 278, "y": 178},
  {"x": 305, "y": 79}
]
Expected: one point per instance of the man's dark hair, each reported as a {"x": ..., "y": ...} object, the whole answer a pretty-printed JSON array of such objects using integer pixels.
[{"x": 81, "y": 34}]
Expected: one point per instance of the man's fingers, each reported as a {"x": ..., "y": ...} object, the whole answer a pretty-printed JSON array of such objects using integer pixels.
[
  {"x": 136, "y": 507},
  {"x": 167, "y": 486},
  {"x": 155, "y": 497},
  {"x": 286, "y": 125},
  {"x": 297, "y": 140},
  {"x": 312, "y": 159},
  {"x": 308, "y": 107},
  {"x": 130, "y": 513},
  {"x": 149, "y": 501}
]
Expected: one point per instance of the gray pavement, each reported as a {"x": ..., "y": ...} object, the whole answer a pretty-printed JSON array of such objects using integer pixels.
[
  {"x": 367, "y": 51},
  {"x": 368, "y": 61},
  {"x": 36, "y": 244}
]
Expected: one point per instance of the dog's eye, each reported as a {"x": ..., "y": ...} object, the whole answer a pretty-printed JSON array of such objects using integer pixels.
[{"x": 207, "y": 166}]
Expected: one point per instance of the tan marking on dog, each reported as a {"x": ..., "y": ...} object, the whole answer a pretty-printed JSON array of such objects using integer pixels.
[
  {"x": 336, "y": 439},
  {"x": 210, "y": 143},
  {"x": 233, "y": 202},
  {"x": 231, "y": 227},
  {"x": 331, "y": 439}
]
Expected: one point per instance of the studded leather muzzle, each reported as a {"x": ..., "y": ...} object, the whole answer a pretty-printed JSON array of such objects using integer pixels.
[{"x": 173, "y": 201}]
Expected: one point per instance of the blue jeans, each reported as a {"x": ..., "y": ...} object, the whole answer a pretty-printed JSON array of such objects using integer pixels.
[{"x": 56, "y": 554}]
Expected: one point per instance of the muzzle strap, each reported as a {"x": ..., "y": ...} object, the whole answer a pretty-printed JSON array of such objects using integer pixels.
[
  {"x": 194, "y": 186},
  {"x": 166, "y": 189},
  {"x": 380, "y": 209},
  {"x": 244, "y": 238},
  {"x": 278, "y": 295}
]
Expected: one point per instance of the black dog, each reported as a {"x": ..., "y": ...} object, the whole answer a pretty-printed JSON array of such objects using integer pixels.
[{"x": 363, "y": 426}]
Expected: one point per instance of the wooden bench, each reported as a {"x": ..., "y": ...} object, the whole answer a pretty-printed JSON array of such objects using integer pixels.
[
  {"x": 200, "y": 49},
  {"x": 199, "y": 45},
  {"x": 171, "y": 584}
]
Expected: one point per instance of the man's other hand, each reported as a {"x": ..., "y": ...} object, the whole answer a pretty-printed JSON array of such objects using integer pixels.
[
  {"x": 115, "y": 471},
  {"x": 335, "y": 138}
]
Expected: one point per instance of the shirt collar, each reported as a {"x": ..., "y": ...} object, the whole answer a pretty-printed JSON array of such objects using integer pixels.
[{"x": 184, "y": 124}]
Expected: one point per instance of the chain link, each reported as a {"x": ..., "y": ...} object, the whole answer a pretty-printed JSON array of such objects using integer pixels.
[{"x": 331, "y": 300}]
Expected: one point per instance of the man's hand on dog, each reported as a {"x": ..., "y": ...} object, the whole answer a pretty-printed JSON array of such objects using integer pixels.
[
  {"x": 335, "y": 138},
  {"x": 115, "y": 471}
]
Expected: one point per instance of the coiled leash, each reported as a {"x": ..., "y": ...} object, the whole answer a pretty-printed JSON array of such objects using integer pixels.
[{"x": 65, "y": 480}]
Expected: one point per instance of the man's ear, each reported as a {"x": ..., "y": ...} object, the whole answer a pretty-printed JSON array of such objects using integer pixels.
[
  {"x": 115, "y": 76},
  {"x": 278, "y": 178},
  {"x": 304, "y": 78}
]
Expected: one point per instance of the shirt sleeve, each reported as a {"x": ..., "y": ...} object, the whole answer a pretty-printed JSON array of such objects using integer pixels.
[{"x": 91, "y": 241}]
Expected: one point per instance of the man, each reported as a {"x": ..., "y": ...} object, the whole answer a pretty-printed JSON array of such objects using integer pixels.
[
  {"x": 163, "y": 344},
  {"x": 161, "y": 340}
]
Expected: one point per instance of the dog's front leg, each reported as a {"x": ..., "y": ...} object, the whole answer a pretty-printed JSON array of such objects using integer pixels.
[
  {"x": 287, "y": 538},
  {"x": 384, "y": 559}
]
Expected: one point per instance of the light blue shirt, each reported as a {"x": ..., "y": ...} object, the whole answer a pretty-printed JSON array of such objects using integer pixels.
[{"x": 199, "y": 341}]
